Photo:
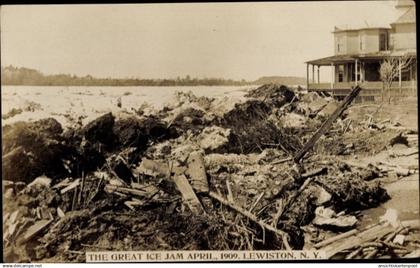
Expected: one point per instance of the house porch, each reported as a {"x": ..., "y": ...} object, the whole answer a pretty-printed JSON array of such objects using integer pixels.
[{"x": 348, "y": 71}]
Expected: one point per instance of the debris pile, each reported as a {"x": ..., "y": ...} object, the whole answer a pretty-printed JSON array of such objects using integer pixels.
[
  {"x": 396, "y": 240},
  {"x": 190, "y": 176}
]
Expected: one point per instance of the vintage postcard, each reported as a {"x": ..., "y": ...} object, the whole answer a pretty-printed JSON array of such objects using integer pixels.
[{"x": 210, "y": 132}]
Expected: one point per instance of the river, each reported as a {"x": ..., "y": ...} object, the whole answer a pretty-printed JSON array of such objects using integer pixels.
[{"x": 89, "y": 102}]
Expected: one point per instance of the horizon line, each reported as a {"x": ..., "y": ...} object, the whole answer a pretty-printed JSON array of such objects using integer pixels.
[{"x": 143, "y": 78}]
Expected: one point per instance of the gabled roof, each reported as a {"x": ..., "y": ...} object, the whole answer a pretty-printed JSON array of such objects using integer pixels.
[{"x": 408, "y": 17}]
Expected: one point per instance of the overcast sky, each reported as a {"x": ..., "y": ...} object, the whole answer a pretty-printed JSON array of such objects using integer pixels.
[{"x": 228, "y": 40}]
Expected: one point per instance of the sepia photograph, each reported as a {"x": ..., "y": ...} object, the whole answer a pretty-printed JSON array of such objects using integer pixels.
[{"x": 210, "y": 132}]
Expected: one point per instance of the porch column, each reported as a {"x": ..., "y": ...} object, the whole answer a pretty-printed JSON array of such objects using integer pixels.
[
  {"x": 362, "y": 72},
  {"x": 332, "y": 76},
  {"x": 318, "y": 72},
  {"x": 355, "y": 71},
  {"x": 313, "y": 74},
  {"x": 307, "y": 76}
]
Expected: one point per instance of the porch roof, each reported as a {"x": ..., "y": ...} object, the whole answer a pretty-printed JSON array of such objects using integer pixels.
[
  {"x": 338, "y": 59},
  {"x": 332, "y": 59}
]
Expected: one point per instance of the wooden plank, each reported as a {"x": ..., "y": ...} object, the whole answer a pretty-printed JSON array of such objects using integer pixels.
[
  {"x": 63, "y": 183},
  {"x": 36, "y": 229},
  {"x": 197, "y": 172},
  {"x": 363, "y": 237},
  {"x": 188, "y": 194},
  {"x": 71, "y": 186},
  {"x": 327, "y": 124},
  {"x": 153, "y": 168},
  {"x": 356, "y": 239},
  {"x": 229, "y": 191},
  {"x": 281, "y": 161},
  {"x": 60, "y": 212},
  {"x": 336, "y": 238},
  {"x": 146, "y": 192}
]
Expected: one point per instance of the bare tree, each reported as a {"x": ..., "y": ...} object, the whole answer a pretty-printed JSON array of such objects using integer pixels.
[{"x": 390, "y": 70}]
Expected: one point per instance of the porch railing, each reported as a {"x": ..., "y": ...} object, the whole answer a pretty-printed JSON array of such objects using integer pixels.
[
  {"x": 365, "y": 85},
  {"x": 408, "y": 88}
]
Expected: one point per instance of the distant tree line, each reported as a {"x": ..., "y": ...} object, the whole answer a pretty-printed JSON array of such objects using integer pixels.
[{"x": 11, "y": 75}]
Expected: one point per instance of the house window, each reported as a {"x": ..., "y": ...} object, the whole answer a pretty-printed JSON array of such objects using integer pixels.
[
  {"x": 339, "y": 42},
  {"x": 383, "y": 44},
  {"x": 340, "y": 73},
  {"x": 361, "y": 43}
]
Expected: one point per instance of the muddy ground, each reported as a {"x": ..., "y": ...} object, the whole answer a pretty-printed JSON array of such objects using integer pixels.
[{"x": 112, "y": 183}]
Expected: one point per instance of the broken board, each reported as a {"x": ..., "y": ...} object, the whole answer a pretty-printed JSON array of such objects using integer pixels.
[
  {"x": 188, "y": 194},
  {"x": 36, "y": 229},
  {"x": 197, "y": 172}
]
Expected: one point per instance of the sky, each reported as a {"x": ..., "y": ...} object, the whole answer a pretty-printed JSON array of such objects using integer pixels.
[{"x": 227, "y": 40}]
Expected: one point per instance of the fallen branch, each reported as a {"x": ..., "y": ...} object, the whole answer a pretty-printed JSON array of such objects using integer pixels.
[
  {"x": 253, "y": 218},
  {"x": 96, "y": 191},
  {"x": 376, "y": 111},
  {"x": 294, "y": 196},
  {"x": 393, "y": 246},
  {"x": 314, "y": 173},
  {"x": 308, "y": 178},
  {"x": 281, "y": 161},
  {"x": 256, "y": 202},
  {"x": 354, "y": 253},
  {"x": 280, "y": 209},
  {"x": 73, "y": 203},
  {"x": 79, "y": 198},
  {"x": 347, "y": 127}
]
